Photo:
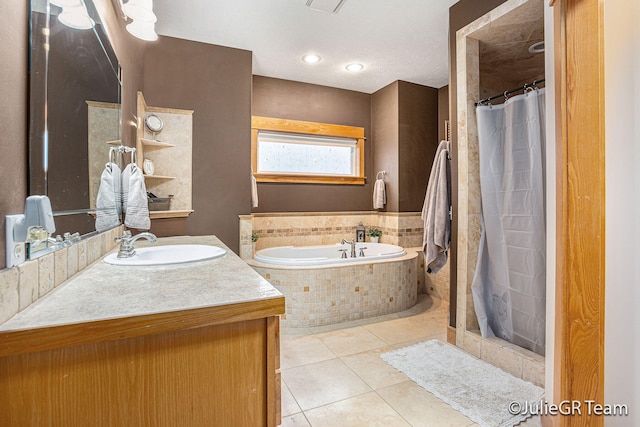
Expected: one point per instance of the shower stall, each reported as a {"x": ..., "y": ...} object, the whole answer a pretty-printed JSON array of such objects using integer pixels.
[{"x": 495, "y": 244}]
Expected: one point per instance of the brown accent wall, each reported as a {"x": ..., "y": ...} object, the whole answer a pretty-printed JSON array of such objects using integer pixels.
[
  {"x": 405, "y": 125},
  {"x": 418, "y": 125},
  {"x": 14, "y": 21},
  {"x": 460, "y": 14},
  {"x": 302, "y": 101},
  {"x": 215, "y": 82},
  {"x": 443, "y": 111},
  {"x": 385, "y": 114}
]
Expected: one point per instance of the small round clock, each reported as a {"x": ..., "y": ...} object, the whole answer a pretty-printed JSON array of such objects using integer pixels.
[{"x": 154, "y": 123}]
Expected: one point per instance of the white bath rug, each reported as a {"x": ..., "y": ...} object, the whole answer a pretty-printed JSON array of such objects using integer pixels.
[{"x": 472, "y": 386}]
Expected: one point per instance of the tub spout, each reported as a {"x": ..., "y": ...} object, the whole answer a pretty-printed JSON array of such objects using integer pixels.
[{"x": 353, "y": 246}]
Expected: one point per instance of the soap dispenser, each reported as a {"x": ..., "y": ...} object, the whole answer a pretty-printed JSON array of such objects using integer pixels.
[{"x": 360, "y": 233}]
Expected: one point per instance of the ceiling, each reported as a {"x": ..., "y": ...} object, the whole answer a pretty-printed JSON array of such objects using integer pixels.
[
  {"x": 504, "y": 46},
  {"x": 395, "y": 40}
]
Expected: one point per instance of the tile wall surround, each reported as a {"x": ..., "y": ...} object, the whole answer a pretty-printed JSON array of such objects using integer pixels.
[
  {"x": 323, "y": 228},
  {"x": 327, "y": 295},
  {"x": 518, "y": 361},
  {"x": 23, "y": 285},
  {"x": 306, "y": 229}
]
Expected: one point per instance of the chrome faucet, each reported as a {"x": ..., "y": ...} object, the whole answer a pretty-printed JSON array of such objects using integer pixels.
[
  {"x": 126, "y": 242},
  {"x": 353, "y": 246}
]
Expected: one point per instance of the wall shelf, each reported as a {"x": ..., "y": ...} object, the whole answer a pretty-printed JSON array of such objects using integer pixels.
[
  {"x": 170, "y": 214},
  {"x": 156, "y": 144},
  {"x": 172, "y": 168},
  {"x": 158, "y": 177}
]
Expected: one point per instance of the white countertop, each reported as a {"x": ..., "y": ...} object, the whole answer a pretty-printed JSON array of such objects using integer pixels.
[{"x": 103, "y": 291}]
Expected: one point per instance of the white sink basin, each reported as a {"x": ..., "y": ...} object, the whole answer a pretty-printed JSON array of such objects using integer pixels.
[{"x": 169, "y": 254}]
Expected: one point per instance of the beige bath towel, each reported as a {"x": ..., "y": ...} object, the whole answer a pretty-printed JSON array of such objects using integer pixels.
[
  {"x": 254, "y": 191},
  {"x": 435, "y": 211},
  {"x": 379, "y": 194}
]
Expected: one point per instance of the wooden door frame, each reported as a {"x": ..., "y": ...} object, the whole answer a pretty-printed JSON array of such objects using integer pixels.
[{"x": 580, "y": 213}]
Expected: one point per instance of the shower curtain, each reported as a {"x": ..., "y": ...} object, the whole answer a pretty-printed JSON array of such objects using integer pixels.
[{"x": 509, "y": 282}]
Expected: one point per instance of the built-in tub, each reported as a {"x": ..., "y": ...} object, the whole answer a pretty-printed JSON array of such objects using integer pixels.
[
  {"x": 327, "y": 254},
  {"x": 321, "y": 288}
]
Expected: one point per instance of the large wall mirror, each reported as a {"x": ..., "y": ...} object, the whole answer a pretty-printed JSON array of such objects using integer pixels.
[{"x": 74, "y": 109}]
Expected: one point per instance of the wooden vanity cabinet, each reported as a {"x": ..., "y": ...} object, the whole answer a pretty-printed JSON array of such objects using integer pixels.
[{"x": 219, "y": 372}]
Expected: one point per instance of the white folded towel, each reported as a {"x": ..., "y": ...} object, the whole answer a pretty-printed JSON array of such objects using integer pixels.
[
  {"x": 135, "y": 203},
  {"x": 108, "y": 199},
  {"x": 254, "y": 192},
  {"x": 379, "y": 194}
]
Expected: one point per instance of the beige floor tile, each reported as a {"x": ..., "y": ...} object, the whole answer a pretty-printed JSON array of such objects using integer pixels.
[
  {"x": 289, "y": 404},
  {"x": 297, "y": 420},
  {"x": 334, "y": 327},
  {"x": 292, "y": 332},
  {"x": 373, "y": 370},
  {"x": 401, "y": 330},
  {"x": 421, "y": 408},
  {"x": 322, "y": 383},
  {"x": 302, "y": 350},
  {"x": 366, "y": 410},
  {"x": 349, "y": 341}
]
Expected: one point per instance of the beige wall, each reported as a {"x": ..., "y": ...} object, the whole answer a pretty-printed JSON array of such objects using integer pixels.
[{"x": 622, "y": 294}]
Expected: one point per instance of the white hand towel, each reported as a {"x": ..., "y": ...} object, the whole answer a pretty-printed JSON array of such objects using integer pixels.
[
  {"x": 125, "y": 178},
  {"x": 254, "y": 192},
  {"x": 107, "y": 201},
  {"x": 379, "y": 194},
  {"x": 137, "y": 206}
]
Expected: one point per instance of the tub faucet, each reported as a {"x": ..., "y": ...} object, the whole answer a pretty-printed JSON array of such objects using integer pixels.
[
  {"x": 353, "y": 246},
  {"x": 126, "y": 242}
]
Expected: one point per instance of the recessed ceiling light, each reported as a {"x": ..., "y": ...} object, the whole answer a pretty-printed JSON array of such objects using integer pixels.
[
  {"x": 537, "y": 47},
  {"x": 311, "y": 58},
  {"x": 354, "y": 67}
]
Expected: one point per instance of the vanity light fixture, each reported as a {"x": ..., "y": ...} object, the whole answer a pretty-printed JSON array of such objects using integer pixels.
[
  {"x": 143, "y": 30},
  {"x": 355, "y": 67},
  {"x": 74, "y": 14},
  {"x": 143, "y": 19},
  {"x": 76, "y": 17},
  {"x": 65, "y": 3},
  {"x": 311, "y": 58},
  {"x": 537, "y": 47}
]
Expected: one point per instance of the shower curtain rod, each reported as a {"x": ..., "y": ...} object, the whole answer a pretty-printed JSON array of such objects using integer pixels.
[{"x": 509, "y": 92}]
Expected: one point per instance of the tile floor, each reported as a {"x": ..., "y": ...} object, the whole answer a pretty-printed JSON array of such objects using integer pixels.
[{"x": 334, "y": 376}]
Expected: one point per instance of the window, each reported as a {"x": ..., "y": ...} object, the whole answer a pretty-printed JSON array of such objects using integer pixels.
[{"x": 306, "y": 152}]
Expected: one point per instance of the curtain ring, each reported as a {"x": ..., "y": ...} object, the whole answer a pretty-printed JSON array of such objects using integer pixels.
[{"x": 506, "y": 95}]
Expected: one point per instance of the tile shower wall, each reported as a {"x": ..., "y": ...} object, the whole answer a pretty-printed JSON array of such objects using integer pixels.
[
  {"x": 23, "y": 285},
  {"x": 511, "y": 358}
]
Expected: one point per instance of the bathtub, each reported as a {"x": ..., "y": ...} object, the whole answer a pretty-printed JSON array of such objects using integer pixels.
[
  {"x": 321, "y": 288},
  {"x": 328, "y": 254}
]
